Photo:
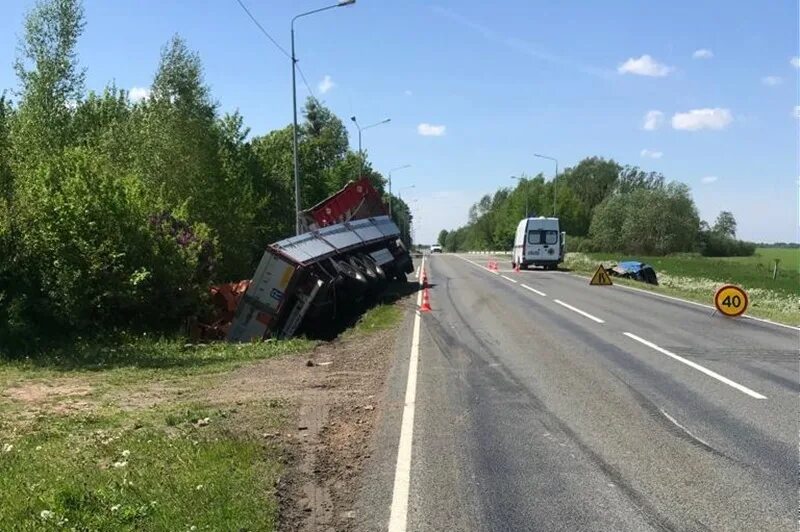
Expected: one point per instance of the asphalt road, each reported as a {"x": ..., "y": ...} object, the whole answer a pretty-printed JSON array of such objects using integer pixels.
[{"x": 542, "y": 403}]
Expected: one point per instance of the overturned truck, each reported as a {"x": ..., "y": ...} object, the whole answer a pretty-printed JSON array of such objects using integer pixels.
[{"x": 351, "y": 250}]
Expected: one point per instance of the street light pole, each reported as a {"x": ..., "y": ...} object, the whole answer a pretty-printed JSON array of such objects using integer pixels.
[
  {"x": 360, "y": 129},
  {"x": 554, "y": 178},
  {"x": 522, "y": 180},
  {"x": 390, "y": 184},
  {"x": 341, "y": 3}
]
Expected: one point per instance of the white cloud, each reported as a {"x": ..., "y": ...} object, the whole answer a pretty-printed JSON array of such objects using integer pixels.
[
  {"x": 796, "y": 112},
  {"x": 326, "y": 84},
  {"x": 651, "y": 154},
  {"x": 407, "y": 92},
  {"x": 771, "y": 81},
  {"x": 644, "y": 66},
  {"x": 708, "y": 179},
  {"x": 716, "y": 118},
  {"x": 137, "y": 94},
  {"x": 653, "y": 120},
  {"x": 703, "y": 53},
  {"x": 795, "y": 62},
  {"x": 430, "y": 130}
]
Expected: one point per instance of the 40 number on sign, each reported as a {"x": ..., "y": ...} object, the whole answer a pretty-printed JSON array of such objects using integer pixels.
[{"x": 731, "y": 300}]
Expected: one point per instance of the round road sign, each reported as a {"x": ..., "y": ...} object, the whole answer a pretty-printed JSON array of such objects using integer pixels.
[{"x": 731, "y": 300}]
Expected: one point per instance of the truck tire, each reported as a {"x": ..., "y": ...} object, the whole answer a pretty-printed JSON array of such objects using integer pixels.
[{"x": 353, "y": 278}]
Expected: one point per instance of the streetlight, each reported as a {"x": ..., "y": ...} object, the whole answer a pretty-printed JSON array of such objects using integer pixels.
[
  {"x": 341, "y": 3},
  {"x": 554, "y": 179},
  {"x": 360, "y": 129},
  {"x": 522, "y": 180},
  {"x": 390, "y": 184}
]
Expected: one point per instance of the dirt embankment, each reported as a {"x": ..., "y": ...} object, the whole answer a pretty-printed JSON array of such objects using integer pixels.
[{"x": 336, "y": 393}]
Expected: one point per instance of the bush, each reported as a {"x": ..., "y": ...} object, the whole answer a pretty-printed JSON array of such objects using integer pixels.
[
  {"x": 581, "y": 244},
  {"x": 715, "y": 244},
  {"x": 646, "y": 221},
  {"x": 89, "y": 249}
]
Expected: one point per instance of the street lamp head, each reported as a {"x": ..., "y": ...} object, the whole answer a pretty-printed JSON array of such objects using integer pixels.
[
  {"x": 386, "y": 121},
  {"x": 343, "y": 3},
  {"x": 353, "y": 118}
]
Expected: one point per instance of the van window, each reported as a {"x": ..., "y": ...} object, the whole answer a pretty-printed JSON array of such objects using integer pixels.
[
  {"x": 534, "y": 237},
  {"x": 543, "y": 237}
]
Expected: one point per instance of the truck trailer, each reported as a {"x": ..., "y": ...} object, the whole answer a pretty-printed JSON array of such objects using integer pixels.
[{"x": 350, "y": 252}]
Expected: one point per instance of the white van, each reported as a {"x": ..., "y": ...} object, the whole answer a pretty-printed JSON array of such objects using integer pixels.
[{"x": 538, "y": 242}]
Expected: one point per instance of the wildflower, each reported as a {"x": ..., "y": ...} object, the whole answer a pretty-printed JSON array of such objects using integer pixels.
[
  {"x": 119, "y": 464},
  {"x": 126, "y": 453},
  {"x": 115, "y": 507},
  {"x": 46, "y": 514},
  {"x": 192, "y": 527},
  {"x": 199, "y": 487},
  {"x": 38, "y": 447},
  {"x": 7, "y": 447}
]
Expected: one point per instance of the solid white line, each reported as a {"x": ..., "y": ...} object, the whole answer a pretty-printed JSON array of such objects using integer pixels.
[
  {"x": 698, "y": 367},
  {"x": 402, "y": 473},
  {"x": 508, "y": 278},
  {"x": 579, "y": 311},
  {"x": 419, "y": 269},
  {"x": 535, "y": 291}
]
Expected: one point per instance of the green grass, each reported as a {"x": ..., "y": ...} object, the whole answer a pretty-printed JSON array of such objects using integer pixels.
[
  {"x": 148, "y": 353},
  {"x": 378, "y": 318},
  {"x": 103, "y": 472},
  {"x": 696, "y": 278},
  {"x": 179, "y": 472}
]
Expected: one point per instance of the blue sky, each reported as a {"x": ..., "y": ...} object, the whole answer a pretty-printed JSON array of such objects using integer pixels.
[{"x": 491, "y": 83}]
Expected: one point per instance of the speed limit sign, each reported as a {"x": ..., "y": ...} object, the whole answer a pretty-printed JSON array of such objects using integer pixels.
[{"x": 731, "y": 300}]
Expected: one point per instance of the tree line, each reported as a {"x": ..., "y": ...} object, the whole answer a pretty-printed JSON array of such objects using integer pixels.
[
  {"x": 602, "y": 206},
  {"x": 120, "y": 213}
]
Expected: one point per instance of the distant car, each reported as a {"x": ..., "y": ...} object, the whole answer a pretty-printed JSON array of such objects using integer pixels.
[{"x": 436, "y": 248}]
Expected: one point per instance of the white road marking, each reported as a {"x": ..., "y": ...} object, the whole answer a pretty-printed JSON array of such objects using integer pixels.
[
  {"x": 419, "y": 269},
  {"x": 579, "y": 311},
  {"x": 508, "y": 278},
  {"x": 402, "y": 473},
  {"x": 698, "y": 367},
  {"x": 535, "y": 291}
]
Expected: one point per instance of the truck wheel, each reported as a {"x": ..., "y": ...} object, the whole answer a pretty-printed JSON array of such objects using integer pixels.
[
  {"x": 373, "y": 266},
  {"x": 353, "y": 278},
  {"x": 364, "y": 268}
]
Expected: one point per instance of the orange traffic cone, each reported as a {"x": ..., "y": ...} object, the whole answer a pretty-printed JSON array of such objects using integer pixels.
[
  {"x": 424, "y": 278},
  {"x": 426, "y": 301}
]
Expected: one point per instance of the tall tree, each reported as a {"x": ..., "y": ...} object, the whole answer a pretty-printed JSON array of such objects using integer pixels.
[
  {"x": 442, "y": 237},
  {"x": 725, "y": 224},
  {"x": 50, "y": 79}
]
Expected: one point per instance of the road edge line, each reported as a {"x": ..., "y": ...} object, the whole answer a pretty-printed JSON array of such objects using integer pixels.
[
  {"x": 398, "y": 515},
  {"x": 733, "y": 384}
]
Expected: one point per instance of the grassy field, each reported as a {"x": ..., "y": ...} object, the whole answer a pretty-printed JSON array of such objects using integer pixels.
[
  {"x": 132, "y": 434},
  {"x": 122, "y": 436},
  {"x": 695, "y": 277}
]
